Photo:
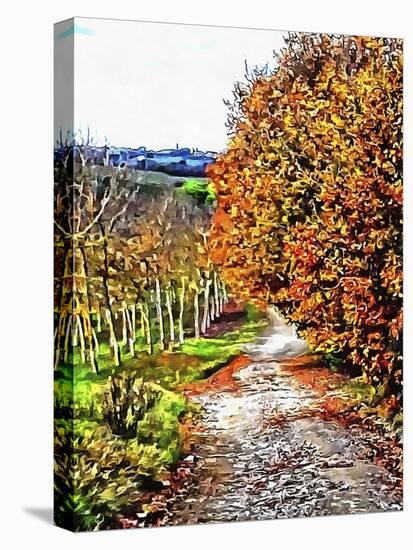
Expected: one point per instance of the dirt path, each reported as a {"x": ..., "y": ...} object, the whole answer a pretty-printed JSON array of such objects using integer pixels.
[{"x": 249, "y": 466}]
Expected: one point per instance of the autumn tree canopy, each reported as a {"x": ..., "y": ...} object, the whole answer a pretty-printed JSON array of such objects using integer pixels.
[{"x": 309, "y": 193}]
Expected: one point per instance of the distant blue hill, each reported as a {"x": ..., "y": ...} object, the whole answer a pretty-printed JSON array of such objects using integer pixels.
[{"x": 176, "y": 162}]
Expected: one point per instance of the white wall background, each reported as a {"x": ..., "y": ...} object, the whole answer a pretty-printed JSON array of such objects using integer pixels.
[{"x": 26, "y": 273}]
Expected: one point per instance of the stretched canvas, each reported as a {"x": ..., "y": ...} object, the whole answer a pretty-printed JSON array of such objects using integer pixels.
[{"x": 228, "y": 274}]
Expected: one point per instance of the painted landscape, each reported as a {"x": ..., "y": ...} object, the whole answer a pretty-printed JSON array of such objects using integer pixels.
[{"x": 228, "y": 323}]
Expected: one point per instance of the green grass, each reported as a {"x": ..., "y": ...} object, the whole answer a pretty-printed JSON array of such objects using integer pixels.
[
  {"x": 196, "y": 359},
  {"x": 110, "y": 469},
  {"x": 110, "y": 472},
  {"x": 218, "y": 351},
  {"x": 200, "y": 189},
  {"x": 159, "y": 432}
]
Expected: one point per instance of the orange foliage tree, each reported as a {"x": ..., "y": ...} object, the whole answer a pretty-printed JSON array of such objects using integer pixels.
[{"x": 309, "y": 213}]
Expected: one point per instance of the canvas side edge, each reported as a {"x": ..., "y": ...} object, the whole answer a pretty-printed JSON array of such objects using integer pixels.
[{"x": 63, "y": 132}]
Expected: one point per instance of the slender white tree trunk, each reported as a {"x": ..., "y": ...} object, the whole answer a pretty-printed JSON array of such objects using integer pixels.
[
  {"x": 67, "y": 336},
  {"x": 132, "y": 310},
  {"x": 131, "y": 333},
  {"x": 146, "y": 325},
  {"x": 98, "y": 322},
  {"x": 75, "y": 333},
  {"x": 81, "y": 340},
  {"x": 88, "y": 340},
  {"x": 220, "y": 301},
  {"x": 196, "y": 314},
  {"x": 112, "y": 339},
  {"x": 224, "y": 293},
  {"x": 212, "y": 308},
  {"x": 171, "y": 317},
  {"x": 205, "y": 318},
  {"x": 95, "y": 343},
  {"x": 181, "y": 334},
  {"x": 124, "y": 326},
  {"x": 56, "y": 338},
  {"x": 158, "y": 306},
  {"x": 148, "y": 329},
  {"x": 142, "y": 320},
  {"x": 216, "y": 295}
]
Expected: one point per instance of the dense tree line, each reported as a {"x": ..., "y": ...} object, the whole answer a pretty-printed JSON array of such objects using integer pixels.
[
  {"x": 309, "y": 191},
  {"x": 130, "y": 259}
]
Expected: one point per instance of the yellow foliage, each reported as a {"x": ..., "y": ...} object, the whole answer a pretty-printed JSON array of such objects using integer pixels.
[{"x": 317, "y": 146}]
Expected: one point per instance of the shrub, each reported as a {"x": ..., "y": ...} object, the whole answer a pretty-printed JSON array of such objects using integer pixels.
[
  {"x": 96, "y": 475},
  {"x": 201, "y": 190},
  {"x": 99, "y": 475},
  {"x": 125, "y": 403}
]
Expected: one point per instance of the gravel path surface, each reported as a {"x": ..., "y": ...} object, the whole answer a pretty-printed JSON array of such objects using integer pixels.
[{"x": 249, "y": 466}]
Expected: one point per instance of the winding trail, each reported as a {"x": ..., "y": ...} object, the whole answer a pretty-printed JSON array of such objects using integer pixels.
[{"x": 249, "y": 466}]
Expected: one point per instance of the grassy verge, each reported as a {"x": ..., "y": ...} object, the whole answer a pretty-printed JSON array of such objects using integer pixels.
[
  {"x": 196, "y": 359},
  {"x": 111, "y": 472}
]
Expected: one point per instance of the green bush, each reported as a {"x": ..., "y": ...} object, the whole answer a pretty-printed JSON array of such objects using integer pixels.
[
  {"x": 99, "y": 475},
  {"x": 201, "y": 190},
  {"x": 159, "y": 433}
]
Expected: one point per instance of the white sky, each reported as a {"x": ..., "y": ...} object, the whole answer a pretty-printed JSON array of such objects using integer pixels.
[{"x": 158, "y": 84}]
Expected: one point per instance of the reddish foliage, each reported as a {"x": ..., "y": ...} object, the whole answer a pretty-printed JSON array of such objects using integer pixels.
[
  {"x": 308, "y": 372},
  {"x": 223, "y": 379},
  {"x": 310, "y": 197}
]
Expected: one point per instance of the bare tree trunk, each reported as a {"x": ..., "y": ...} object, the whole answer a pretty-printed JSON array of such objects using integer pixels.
[
  {"x": 60, "y": 332},
  {"x": 171, "y": 318},
  {"x": 220, "y": 298},
  {"x": 216, "y": 296},
  {"x": 88, "y": 340},
  {"x": 56, "y": 342},
  {"x": 181, "y": 334},
  {"x": 131, "y": 333},
  {"x": 142, "y": 321},
  {"x": 82, "y": 289},
  {"x": 158, "y": 306},
  {"x": 109, "y": 313},
  {"x": 95, "y": 343},
  {"x": 124, "y": 326},
  {"x": 224, "y": 293},
  {"x": 81, "y": 340},
  {"x": 212, "y": 308},
  {"x": 75, "y": 334},
  {"x": 67, "y": 336},
  {"x": 65, "y": 301},
  {"x": 205, "y": 317},
  {"x": 112, "y": 338},
  {"x": 196, "y": 314},
  {"x": 98, "y": 322},
  {"x": 147, "y": 321},
  {"x": 132, "y": 310}
]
